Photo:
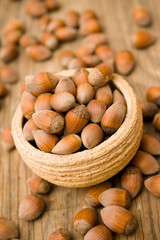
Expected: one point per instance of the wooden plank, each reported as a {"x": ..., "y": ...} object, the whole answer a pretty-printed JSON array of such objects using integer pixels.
[{"x": 63, "y": 203}]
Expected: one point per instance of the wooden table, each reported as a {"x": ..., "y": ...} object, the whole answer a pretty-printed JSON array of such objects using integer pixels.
[{"x": 62, "y": 203}]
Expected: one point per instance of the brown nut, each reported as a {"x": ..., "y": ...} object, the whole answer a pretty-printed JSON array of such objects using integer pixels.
[
  {"x": 76, "y": 119},
  {"x": 85, "y": 93},
  {"x": 49, "y": 121},
  {"x": 29, "y": 78},
  {"x": 105, "y": 53},
  {"x": 91, "y": 60},
  {"x": 55, "y": 24},
  {"x": 3, "y": 90},
  {"x": 80, "y": 76},
  {"x": 76, "y": 63},
  {"x": 45, "y": 141},
  {"x": 104, "y": 94},
  {"x": 27, "y": 40},
  {"x": 7, "y": 139},
  {"x": 149, "y": 109},
  {"x": 38, "y": 185},
  {"x": 115, "y": 196},
  {"x": 62, "y": 101},
  {"x": 60, "y": 234},
  {"x": 65, "y": 34},
  {"x": 84, "y": 220},
  {"x": 8, "y": 229},
  {"x": 43, "y": 82},
  {"x": 7, "y": 74},
  {"x": 145, "y": 162},
  {"x": 96, "y": 109},
  {"x": 27, "y": 109},
  {"x": 8, "y": 53},
  {"x": 119, "y": 219},
  {"x": 142, "y": 39},
  {"x": 153, "y": 95},
  {"x": 49, "y": 40},
  {"x": 150, "y": 144},
  {"x": 12, "y": 37},
  {"x": 100, "y": 75},
  {"x": 43, "y": 102},
  {"x": 96, "y": 38},
  {"x": 142, "y": 16},
  {"x": 13, "y": 25},
  {"x": 44, "y": 21},
  {"x": 31, "y": 207},
  {"x": 29, "y": 126},
  {"x": 125, "y": 62},
  {"x": 65, "y": 56},
  {"x": 156, "y": 121},
  {"x": 36, "y": 8},
  {"x": 67, "y": 145},
  {"x": 131, "y": 181},
  {"x": 92, "y": 135},
  {"x": 90, "y": 26},
  {"x": 99, "y": 232},
  {"x": 85, "y": 50},
  {"x": 72, "y": 19},
  {"x": 118, "y": 97},
  {"x": 38, "y": 52},
  {"x": 86, "y": 15},
  {"x": 93, "y": 193},
  {"x": 113, "y": 118},
  {"x": 66, "y": 85},
  {"x": 51, "y": 4},
  {"x": 153, "y": 185}
]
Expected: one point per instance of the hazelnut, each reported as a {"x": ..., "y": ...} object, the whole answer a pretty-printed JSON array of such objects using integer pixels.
[
  {"x": 84, "y": 220},
  {"x": 145, "y": 162},
  {"x": 131, "y": 181},
  {"x": 67, "y": 145},
  {"x": 31, "y": 207},
  {"x": 38, "y": 185},
  {"x": 119, "y": 219}
]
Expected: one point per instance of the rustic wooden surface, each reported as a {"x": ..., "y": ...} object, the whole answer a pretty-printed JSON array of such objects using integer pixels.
[{"x": 63, "y": 203}]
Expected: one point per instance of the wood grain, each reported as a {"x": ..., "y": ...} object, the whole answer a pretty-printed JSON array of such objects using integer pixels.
[{"x": 63, "y": 203}]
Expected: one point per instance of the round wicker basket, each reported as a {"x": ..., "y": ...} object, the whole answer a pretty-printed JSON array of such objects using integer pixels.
[{"x": 89, "y": 167}]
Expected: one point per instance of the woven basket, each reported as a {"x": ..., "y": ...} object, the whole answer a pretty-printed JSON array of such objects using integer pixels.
[{"x": 88, "y": 167}]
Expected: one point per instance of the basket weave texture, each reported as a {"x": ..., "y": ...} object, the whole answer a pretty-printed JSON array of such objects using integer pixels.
[{"x": 89, "y": 167}]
